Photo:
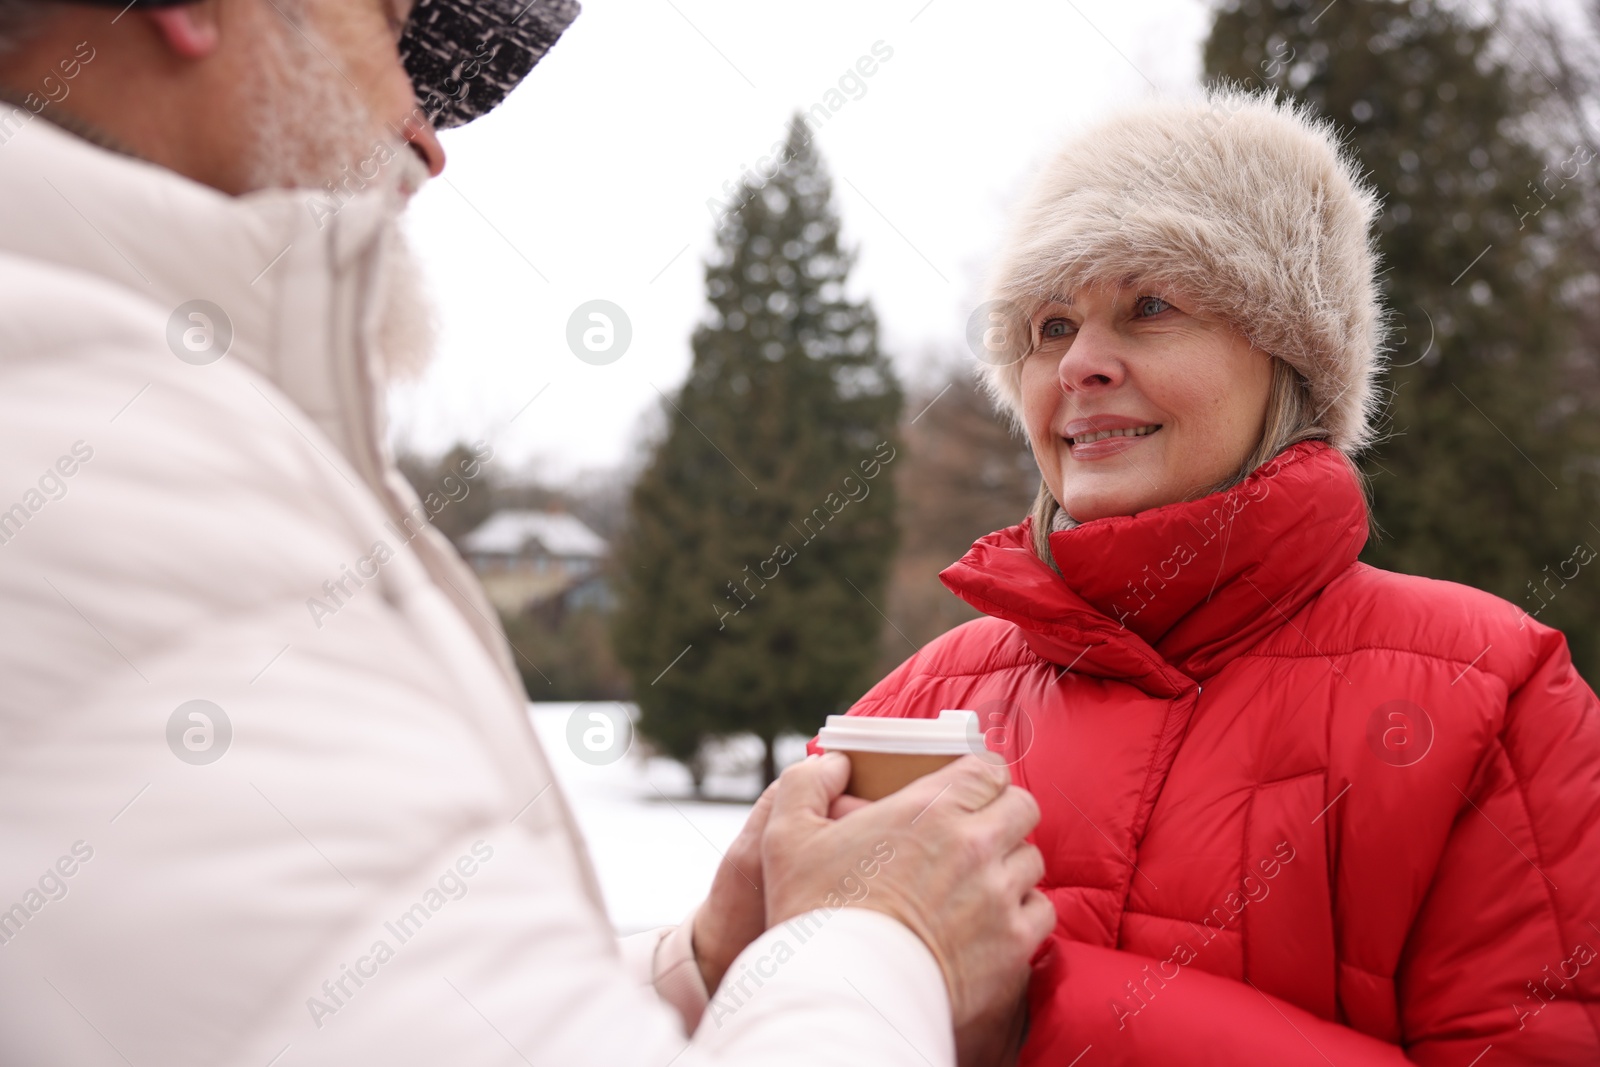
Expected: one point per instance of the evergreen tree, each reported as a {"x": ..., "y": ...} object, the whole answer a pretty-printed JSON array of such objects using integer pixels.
[
  {"x": 1487, "y": 476},
  {"x": 965, "y": 473},
  {"x": 764, "y": 523}
]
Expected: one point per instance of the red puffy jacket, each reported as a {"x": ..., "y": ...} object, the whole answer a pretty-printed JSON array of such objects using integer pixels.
[{"x": 1296, "y": 810}]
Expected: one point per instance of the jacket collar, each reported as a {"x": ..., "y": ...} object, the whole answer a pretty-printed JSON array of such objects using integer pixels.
[
  {"x": 1174, "y": 593},
  {"x": 299, "y": 283}
]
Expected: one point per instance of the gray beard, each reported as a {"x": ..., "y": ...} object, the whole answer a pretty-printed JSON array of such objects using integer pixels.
[
  {"x": 407, "y": 323},
  {"x": 310, "y": 126},
  {"x": 308, "y": 122}
]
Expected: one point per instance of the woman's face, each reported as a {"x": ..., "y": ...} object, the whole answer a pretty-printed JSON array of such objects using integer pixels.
[{"x": 1190, "y": 386}]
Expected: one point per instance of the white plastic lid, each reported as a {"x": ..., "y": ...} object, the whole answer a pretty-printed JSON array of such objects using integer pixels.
[{"x": 953, "y": 733}]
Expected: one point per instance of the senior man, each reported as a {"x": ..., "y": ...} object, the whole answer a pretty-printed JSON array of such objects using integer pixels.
[{"x": 240, "y": 833}]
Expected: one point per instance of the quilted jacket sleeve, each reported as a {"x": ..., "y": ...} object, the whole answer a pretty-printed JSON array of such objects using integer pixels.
[
  {"x": 1203, "y": 1019},
  {"x": 1504, "y": 949},
  {"x": 1517, "y": 982},
  {"x": 664, "y": 959}
]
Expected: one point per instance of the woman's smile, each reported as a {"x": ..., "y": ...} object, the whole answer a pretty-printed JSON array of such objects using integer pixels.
[{"x": 1088, "y": 440}]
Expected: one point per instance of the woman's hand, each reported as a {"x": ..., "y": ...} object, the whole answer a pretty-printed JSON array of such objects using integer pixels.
[{"x": 734, "y": 913}]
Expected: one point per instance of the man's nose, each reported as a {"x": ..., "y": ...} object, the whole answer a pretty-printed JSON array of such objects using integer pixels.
[{"x": 424, "y": 141}]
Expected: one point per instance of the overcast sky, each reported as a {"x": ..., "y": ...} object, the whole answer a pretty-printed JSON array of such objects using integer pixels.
[{"x": 591, "y": 182}]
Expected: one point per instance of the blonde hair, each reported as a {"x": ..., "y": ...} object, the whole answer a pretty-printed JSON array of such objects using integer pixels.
[{"x": 1290, "y": 420}]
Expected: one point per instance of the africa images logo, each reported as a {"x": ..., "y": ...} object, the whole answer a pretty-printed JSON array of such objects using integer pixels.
[
  {"x": 1399, "y": 732},
  {"x": 199, "y": 732}
]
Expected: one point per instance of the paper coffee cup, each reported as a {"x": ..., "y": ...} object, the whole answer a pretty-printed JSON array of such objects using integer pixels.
[{"x": 888, "y": 754}]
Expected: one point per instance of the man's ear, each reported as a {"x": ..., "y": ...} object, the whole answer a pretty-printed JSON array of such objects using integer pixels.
[{"x": 190, "y": 30}]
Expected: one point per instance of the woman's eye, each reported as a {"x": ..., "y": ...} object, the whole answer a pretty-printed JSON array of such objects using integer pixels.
[
  {"x": 1054, "y": 328},
  {"x": 1145, "y": 302}
]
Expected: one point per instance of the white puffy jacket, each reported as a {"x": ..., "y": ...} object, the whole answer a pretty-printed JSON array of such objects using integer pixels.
[{"x": 379, "y": 869}]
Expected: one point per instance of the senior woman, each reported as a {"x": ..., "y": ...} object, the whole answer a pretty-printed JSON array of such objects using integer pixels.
[{"x": 1296, "y": 810}]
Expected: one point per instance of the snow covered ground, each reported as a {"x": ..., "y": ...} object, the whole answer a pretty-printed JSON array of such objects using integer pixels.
[{"x": 654, "y": 847}]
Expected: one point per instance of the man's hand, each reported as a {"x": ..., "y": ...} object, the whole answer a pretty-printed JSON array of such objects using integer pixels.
[
  {"x": 994, "y": 1039},
  {"x": 734, "y": 913},
  {"x": 962, "y": 877}
]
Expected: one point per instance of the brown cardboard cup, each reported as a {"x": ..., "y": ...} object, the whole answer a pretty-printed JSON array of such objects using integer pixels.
[{"x": 887, "y": 754}]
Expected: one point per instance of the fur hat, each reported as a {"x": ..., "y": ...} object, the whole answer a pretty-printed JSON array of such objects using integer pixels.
[{"x": 1244, "y": 201}]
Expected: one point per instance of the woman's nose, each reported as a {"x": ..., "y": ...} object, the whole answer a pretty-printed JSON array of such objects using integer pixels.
[{"x": 1092, "y": 361}]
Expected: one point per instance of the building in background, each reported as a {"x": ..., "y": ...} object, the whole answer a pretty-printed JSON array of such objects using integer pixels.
[{"x": 530, "y": 560}]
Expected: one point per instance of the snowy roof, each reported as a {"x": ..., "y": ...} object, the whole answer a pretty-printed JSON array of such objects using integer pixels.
[{"x": 508, "y": 532}]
